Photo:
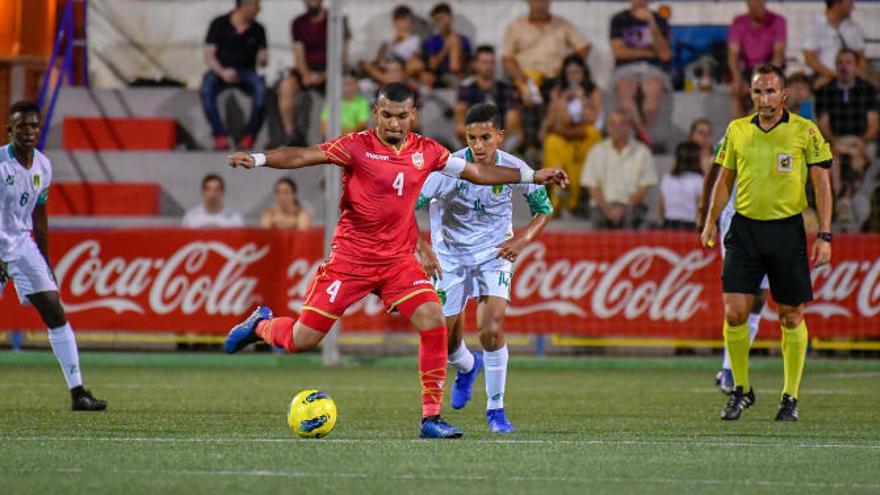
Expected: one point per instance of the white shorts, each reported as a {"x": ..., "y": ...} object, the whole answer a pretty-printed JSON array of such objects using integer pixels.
[
  {"x": 723, "y": 226},
  {"x": 492, "y": 278},
  {"x": 29, "y": 273}
]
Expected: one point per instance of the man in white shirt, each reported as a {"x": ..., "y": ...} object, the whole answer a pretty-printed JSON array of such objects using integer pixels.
[
  {"x": 25, "y": 175},
  {"x": 832, "y": 32},
  {"x": 618, "y": 173},
  {"x": 211, "y": 213}
]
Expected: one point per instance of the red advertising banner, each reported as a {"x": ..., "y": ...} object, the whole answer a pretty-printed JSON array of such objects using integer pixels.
[{"x": 633, "y": 284}]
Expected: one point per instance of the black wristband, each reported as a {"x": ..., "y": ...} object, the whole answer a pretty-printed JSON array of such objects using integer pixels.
[{"x": 825, "y": 236}]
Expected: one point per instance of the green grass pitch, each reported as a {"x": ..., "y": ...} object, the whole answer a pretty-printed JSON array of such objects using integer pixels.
[{"x": 214, "y": 424}]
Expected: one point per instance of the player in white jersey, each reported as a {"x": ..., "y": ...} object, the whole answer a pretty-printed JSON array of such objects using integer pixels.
[
  {"x": 474, "y": 248},
  {"x": 25, "y": 175},
  {"x": 724, "y": 376}
]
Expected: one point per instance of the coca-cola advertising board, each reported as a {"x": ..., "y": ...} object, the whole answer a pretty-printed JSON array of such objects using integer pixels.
[{"x": 624, "y": 284}]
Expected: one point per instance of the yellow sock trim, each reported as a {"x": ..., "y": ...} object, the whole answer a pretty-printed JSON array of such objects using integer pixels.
[
  {"x": 736, "y": 338},
  {"x": 794, "y": 353}
]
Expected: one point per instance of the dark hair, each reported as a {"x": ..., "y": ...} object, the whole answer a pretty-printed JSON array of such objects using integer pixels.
[
  {"x": 485, "y": 49},
  {"x": 239, "y": 3},
  {"x": 396, "y": 91},
  {"x": 400, "y": 12},
  {"x": 576, "y": 59},
  {"x": 23, "y": 107},
  {"x": 844, "y": 50},
  {"x": 441, "y": 8},
  {"x": 830, "y": 3},
  {"x": 292, "y": 184},
  {"x": 799, "y": 77},
  {"x": 701, "y": 120},
  {"x": 687, "y": 158},
  {"x": 484, "y": 112},
  {"x": 771, "y": 69},
  {"x": 210, "y": 177}
]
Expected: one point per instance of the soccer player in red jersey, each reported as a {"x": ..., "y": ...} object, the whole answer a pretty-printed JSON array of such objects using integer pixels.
[{"x": 373, "y": 249}]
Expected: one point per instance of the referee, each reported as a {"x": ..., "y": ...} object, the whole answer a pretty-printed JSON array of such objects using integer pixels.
[{"x": 769, "y": 155}]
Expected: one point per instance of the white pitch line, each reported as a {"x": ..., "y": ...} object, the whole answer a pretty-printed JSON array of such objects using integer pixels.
[
  {"x": 458, "y": 477},
  {"x": 502, "y": 441}
]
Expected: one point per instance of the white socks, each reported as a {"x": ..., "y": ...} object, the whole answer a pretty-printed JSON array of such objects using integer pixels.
[
  {"x": 495, "y": 368},
  {"x": 64, "y": 346},
  {"x": 754, "y": 321},
  {"x": 462, "y": 359}
]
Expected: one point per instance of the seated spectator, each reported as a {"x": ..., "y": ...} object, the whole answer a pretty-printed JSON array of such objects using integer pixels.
[
  {"x": 212, "y": 213},
  {"x": 570, "y": 128},
  {"x": 309, "y": 35},
  {"x": 234, "y": 47},
  {"x": 701, "y": 134},
  {"x": 354, "y": 108},
  {"x": 847, "y": 106},
  {"x": 680, "y": 189},
  {"x": 640, "y": 45},
  {"x": 872, "y": 224},
  {"x": 404, "y": 46},
  {"x": 287, "y": 213},
  {"x": 831, "y": 33},
  {"x": 394, "y": 70},
  {"x": 534, "y": 47},
  {"x": 484, "y": 87},
  {"x": 755, "y": 38},
  {"x": 800, "y": 96},
  {"x": 618, "y": 173},
  {"x": 847, "y": 180},
  {"x": 447, "y": 53}
]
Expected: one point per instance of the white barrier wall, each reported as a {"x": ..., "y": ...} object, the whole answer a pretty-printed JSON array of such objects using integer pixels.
[{"x": 151, "y": 38}]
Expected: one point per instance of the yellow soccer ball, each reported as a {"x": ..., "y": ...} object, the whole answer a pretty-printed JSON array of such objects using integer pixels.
[{"x": 311, "y": 414}]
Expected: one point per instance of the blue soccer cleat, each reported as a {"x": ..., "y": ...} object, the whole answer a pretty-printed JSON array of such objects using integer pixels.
[
  {"x": 435, "y": 427},
  {"x": 246, "y": 332},
  {"x": 498, "y": 422},
  {"x": 725, "y": 381},
  {"x": 464, "y": 383}
]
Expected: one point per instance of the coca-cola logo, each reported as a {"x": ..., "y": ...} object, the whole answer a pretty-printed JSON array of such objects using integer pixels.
[
  {"x": 178, "y": 282},
  {"x": 623, "y": 287}
]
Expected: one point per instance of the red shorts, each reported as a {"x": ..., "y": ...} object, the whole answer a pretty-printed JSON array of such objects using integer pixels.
[{"x": 402, "y": 285}]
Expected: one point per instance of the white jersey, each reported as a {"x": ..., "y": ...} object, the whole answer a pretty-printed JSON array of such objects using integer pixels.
[
  {"x": 198, "y": 218},
  {"x": 468, "y": 220},
  {"x": 21, "y": 190}
]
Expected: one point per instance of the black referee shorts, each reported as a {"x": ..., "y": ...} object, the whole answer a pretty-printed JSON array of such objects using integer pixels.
[{"x": 777, "y": 248}]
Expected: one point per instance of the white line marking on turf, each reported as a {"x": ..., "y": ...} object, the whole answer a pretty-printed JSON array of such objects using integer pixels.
[
  {"x": 845, "y": 375},
  {"x": 456, "y": 477},
  {"x": 224, "y": 440}
]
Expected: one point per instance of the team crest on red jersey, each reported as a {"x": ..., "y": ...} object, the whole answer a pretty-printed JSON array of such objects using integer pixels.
[{"x": 418, "y": 160}]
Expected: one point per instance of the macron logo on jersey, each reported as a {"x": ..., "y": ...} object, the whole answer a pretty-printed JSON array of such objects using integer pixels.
[{"x": 376, "y": 157}]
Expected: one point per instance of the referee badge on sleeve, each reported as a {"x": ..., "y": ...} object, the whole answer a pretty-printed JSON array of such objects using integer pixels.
[{"x": 783, "y": 163}]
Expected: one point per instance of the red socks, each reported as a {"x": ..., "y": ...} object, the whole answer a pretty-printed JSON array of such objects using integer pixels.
[
  {"x": 278, "y": 332},
  {"x": 432, "y": 369}
]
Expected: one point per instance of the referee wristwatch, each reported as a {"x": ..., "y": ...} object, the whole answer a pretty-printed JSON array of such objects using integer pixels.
[{"x": 825, "y": 236}]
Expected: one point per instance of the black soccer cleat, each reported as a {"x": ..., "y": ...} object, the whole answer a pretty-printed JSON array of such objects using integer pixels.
[
  {"x": 83, "y": 400},
  {"x": 737, "y": 402},
  {"x": 788, "y": 410}
]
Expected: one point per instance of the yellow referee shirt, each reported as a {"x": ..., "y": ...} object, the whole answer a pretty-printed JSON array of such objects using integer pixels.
[{"x": 771, "y": 166}]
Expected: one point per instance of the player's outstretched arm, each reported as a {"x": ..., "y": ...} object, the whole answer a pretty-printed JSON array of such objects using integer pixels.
[
  {"x": 720, "y": 196},
  {"x": 494, "y": 175},
  {"x": 282, "y": 158}
]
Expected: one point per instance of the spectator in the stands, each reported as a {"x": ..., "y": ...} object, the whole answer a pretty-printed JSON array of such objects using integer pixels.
[
  {"x": 832, "y": 32},
  {"x": 212, "y": 213},
  {"x": 800, "y": 96},
  {"x": 681, "y": 188},
  {"x": 446, "y": 53},
  {"x": 701, "y": 133},
  {"x": 288, "y": 213},
  {"x": 404, "y": 46},
  {"x": 234, "y": 47},
  {"x": 618, "y": 173},
  {"x": 309, "y": 35},
  {"x": 847, "y": 106},
  {"x": 640, "y": 45},
  {"x": 484, "y": 87},
  {"x": 872, "y": 224},
  {"x": 755, "y": 38},
  {"x": 570, "y": 128},
  {"x": 533, "y": 49},
  {"x": 354, "y": 107}
]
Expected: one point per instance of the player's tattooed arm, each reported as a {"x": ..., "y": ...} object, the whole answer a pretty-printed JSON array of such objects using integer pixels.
[
  {"x": 282, "y": 158},
  {"x": 495, "y": 175}
]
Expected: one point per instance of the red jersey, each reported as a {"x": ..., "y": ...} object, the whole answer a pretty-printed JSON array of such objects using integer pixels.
[{"x": 380, "y": 186}]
